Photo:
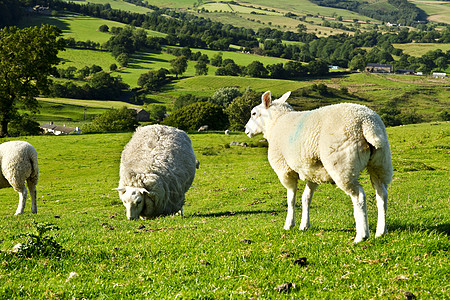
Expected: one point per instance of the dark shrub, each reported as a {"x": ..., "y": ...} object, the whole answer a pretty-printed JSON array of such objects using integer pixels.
[
  {"x": 114, "y": 120},
  {"x": 192, "y": 116}
]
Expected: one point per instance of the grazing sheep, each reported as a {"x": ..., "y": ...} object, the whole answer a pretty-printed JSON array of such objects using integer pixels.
[
  {"x": 18, "y": 163},
  {"x": 331, "y": 144},
  {"x": 156, "y": 170},
  {"x": 203, "y": 128}
]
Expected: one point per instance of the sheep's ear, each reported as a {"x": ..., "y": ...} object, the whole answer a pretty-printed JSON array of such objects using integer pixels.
[
  {"x": 119, "y": 189},
  {"x": 284, "y": 97},
  {"x": 143, "y": 191},
  {"x": 266, "y": 99}
]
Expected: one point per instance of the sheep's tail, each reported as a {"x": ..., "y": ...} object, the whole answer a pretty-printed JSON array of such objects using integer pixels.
[
  {"x": 380, "y": 164},
  {"x": 34, "y": 177}
]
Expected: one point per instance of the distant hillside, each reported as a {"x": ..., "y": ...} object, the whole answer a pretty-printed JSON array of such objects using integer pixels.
[{"x": 393, "y": 11}]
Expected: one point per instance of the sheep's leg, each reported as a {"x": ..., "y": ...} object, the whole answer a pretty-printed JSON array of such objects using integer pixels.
[
  {"x": 382, "y": 195},
  {"x": 360, "y": 214},
  {"x": 290, "y": 218},
  {"x": 22, "y": 199},
  {"x": 290, "y": 183},
  {"x": 306, "y": 201},
  {"x": 33, "y": 194}
]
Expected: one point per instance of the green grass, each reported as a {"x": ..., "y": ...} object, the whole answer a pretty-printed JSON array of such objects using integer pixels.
[
  {"x": 80, "y": 58},
  {"x": 437, "y": 11},
  {"x": 79, "y": 27},
  {"x": 120, "y": 5},
  {"x": 73, "y": 112},
  {"x": 419, "y": 49},
  {"x": 230, "y": 242},
  {"x": 304, "y": 7},
  {"x": 421, "y": 94}
]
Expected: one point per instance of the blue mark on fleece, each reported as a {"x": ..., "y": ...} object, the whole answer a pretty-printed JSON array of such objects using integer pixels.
[{"x": 301, "y": 123}]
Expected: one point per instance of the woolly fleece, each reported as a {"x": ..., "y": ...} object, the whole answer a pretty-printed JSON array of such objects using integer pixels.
[
  {"x": 19, "y": 163},
  {"x": 331, "y": 144},
  {"x": 158, "y": 164}
]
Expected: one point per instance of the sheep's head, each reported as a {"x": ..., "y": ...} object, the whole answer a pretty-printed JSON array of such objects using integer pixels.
[
  {"x": 133, "y": 199},
  {"x": 261, "y": 114}
]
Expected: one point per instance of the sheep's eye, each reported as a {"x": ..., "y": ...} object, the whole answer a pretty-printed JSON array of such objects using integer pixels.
[{"x": 254, "y": 113}]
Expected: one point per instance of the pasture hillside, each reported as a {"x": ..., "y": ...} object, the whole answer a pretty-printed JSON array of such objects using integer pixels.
[
  {"x": 423, "y": 95},
  {"x": 230, "y": 243},
  {"x": 437, "y": 11}
]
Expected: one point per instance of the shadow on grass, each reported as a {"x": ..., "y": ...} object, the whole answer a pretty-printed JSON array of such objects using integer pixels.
[
  {"x": 443, "y": 228},
  {"x": 234, "y": 213}
]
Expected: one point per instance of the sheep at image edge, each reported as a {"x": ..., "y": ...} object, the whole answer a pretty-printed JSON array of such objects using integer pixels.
[
  {"x": 334, "y": 143},
  {"x": 19, "y": 163},
  {"x": 157, "y": 168}
]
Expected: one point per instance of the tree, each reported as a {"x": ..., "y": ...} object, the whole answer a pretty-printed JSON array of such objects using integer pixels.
[
  {"x": 184, "y": 100},
  {"x": 157, "y": 112},
  {"x": 318, "y": 67},
  {"x": 201, "y": 68},
  {"x": 114, "y": 120},
  {"x": 216, "y": 60},
  {"x": 225, "y": 95},
  {"x": 123, "y": 59},
  {"x": 295, "y": 69},
  {"x": 239, "y": 109},
  {"x": 103, "y": 28},
  {"x": 358, "y": 62},
  {"x": 153, "y": 80},
  {"x": 276, "y": 71},
  {"x": 256, "y": 69},
  {"x": 106, "y": 87},
  {"x": 179, "y": 65},
  {"x": 197, "y": 114},
  {"x": 27, "y": 58},
  {"x": 24, "y": 125}
]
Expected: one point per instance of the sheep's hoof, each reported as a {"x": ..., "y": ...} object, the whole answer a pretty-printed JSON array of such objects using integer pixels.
[
  {"x": 304, "y": 227},
  {"x": 379, "y": 234},
  {"x": 287, "y": 226},
  {"x": 360, "y": 239},
  {"x": 18, "y": 213}
]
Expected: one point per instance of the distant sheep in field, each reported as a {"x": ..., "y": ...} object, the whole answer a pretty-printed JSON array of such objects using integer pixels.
[
  {"x": 331, "y": 144},
  {"x": 18, "y": 163},
  {"x": 157, "y": 168},
  {"x": 203, "y": 128}
]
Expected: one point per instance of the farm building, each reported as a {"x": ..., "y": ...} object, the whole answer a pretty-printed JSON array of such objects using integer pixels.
[
  {"x": 141, "y": 114},
  {"x": 58, "y": 129},
  {"x": 439, "y": 75},
  {"x": 378, "y": 68},
  {"x": 404, "y": 72}
]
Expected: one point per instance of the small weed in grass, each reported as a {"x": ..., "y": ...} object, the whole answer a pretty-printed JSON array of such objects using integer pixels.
[{"x": 39, "y": 244}]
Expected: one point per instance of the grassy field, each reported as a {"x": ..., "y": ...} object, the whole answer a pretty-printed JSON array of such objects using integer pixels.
[
  {"x": 421, "y": 94},
  {"x": 419, "y": 49},
  {"x": 230, "y": 242},
  {"x": 121, "y": 5},
  {"x": 79, "y": 27},
  {"x": 73, "y": 112},
  {"x": 437, "y": 11}
]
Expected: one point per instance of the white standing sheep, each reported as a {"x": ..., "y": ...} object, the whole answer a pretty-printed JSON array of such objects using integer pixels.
[
  {"x": 331, "y": 144},
  {"x": 157, "y": 168},
  {"x": 18, "y": 163}
]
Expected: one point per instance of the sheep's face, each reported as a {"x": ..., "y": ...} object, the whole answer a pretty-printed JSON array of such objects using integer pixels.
[
  {"x": 133, "y": 199},
  {"x": 261, "y": 114},
  {"x": 255, "y": 124}
]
